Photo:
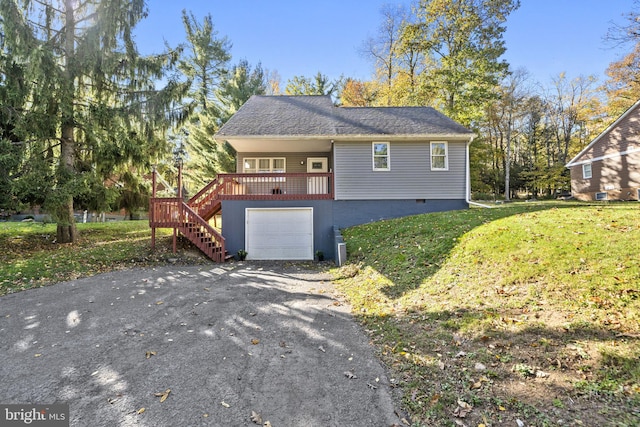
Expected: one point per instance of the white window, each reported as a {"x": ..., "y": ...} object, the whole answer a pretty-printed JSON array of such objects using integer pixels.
[
  {"x": 381, "y": 156},
  {"x": 586, "y": 171},
  {"x": 264, "y": 165},
  {"x": 439, "y": 156}
]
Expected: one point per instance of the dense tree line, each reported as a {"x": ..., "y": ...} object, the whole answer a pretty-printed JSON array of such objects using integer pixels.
[
  {"x": 447, "y": 54},
  {"x": 84, "y": 116}
]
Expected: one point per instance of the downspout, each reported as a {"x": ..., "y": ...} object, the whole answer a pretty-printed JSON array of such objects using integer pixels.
[{"x": 468, "y": 183}]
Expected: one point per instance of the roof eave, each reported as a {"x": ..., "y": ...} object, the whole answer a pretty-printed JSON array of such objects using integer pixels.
[
  {"x": 282, "y": 137},
  {"x": 575, "y": 162},
  {"x": 359, "y": 137}
]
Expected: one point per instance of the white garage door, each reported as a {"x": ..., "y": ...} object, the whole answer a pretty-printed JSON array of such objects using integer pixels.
[{"x": 274, "y": 233}]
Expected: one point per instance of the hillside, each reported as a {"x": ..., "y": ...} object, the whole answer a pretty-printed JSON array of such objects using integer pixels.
[{"x": 526, "y": 312}]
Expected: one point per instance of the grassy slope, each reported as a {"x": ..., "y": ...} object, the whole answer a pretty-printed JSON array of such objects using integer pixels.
[
  {"x": 545, "y": 297},
  {"x": 29, "y": 258}
]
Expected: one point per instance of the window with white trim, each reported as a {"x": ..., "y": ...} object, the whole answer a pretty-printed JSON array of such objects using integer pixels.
[
  {"x": 587, "y": 173},
  {"x": 381, "y": 158},
  {"x": 439, "y": 156},
  {"x": 264, "y": 165}
]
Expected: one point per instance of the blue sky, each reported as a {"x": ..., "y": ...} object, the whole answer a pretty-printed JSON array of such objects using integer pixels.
[{"x": 302, "y": 37}]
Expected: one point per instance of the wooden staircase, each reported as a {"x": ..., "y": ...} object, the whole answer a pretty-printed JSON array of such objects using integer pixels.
[
  {"x": 191, "y": 220},
  {"x": 207, "y": 201}
]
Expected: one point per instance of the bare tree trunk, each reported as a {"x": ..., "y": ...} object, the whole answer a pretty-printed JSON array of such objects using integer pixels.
[{"x": 507, "y": 163}]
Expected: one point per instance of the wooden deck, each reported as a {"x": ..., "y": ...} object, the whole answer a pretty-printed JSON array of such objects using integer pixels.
[
  {"x": 191, "y": 218},
  {"x": 273, "y": 186}
]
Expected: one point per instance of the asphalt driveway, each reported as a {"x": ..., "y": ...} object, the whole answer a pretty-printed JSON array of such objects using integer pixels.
[{"x": 194, "y": 346}]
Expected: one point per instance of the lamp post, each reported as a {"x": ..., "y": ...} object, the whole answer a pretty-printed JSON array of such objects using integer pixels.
[
  {"x": 152, "y": 208},
  {"x": 178, "y": 160},
  {"x": 179, "y": 154}
]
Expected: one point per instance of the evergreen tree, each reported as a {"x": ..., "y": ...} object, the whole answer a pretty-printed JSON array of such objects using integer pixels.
[
  {"x": 93, "y": 105},
  {"x": 205, "y": 66},
  {"x": 242, "y": 83},
  {"x": 319, "y": 84}
]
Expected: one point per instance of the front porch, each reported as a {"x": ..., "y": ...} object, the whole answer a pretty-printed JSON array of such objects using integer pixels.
[{"x": 272, "y": 186}]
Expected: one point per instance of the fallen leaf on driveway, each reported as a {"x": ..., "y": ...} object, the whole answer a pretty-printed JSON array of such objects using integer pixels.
[
  {"x": 140, "y": 411},
  {"x": 256, "y": 417},
  {"x": 350, "y": 375},
  {"x": 225, "y": 404},
  {"x": 148, "y": 354},
  {"x": 321, "y": 348},
  {"x": 255, "y": 341},
  {"x": 163, "y": 396}
]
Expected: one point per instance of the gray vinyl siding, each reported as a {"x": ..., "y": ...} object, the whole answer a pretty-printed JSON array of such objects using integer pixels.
[
  {"x": 292, "y": 160},
  {"x": 410, "y": 175}
]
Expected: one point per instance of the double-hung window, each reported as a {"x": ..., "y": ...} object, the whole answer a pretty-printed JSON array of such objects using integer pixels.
[
  {"x": 439, "y": 156},
  {"x": 587, "y": 172},
  {"x": 381, "y": 160}
]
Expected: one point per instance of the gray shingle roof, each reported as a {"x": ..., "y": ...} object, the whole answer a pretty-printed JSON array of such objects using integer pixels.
[{"x": 317, "y": 116}]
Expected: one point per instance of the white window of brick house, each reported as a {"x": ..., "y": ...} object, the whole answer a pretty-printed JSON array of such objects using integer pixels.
[{"x": 586, "y": 171}]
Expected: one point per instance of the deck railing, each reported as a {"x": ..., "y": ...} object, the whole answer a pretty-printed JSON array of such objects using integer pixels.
[
  {"x": 275, "y": 186},
  {"x": 175, "y": 213},
  {"x": 164, "y": 212}
]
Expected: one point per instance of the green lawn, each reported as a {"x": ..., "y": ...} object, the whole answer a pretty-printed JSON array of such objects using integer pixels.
[
  {"x": 29, "y": 257},
  {"x": 525, "y": 311}
]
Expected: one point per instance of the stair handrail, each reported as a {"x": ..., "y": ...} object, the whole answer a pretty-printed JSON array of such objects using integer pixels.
[
  {"x": 213, "y": 187},
  {"x": 194, "y": 217}
]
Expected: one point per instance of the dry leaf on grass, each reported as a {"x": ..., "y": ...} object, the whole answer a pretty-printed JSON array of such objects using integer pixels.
[{"x": 463, "y": 409}]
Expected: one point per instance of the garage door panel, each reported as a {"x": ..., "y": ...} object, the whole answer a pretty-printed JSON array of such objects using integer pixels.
[{"x": 285, "y": 233}]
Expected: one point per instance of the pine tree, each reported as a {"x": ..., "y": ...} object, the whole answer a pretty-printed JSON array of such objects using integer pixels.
[{"x": 93, "y": 101}]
